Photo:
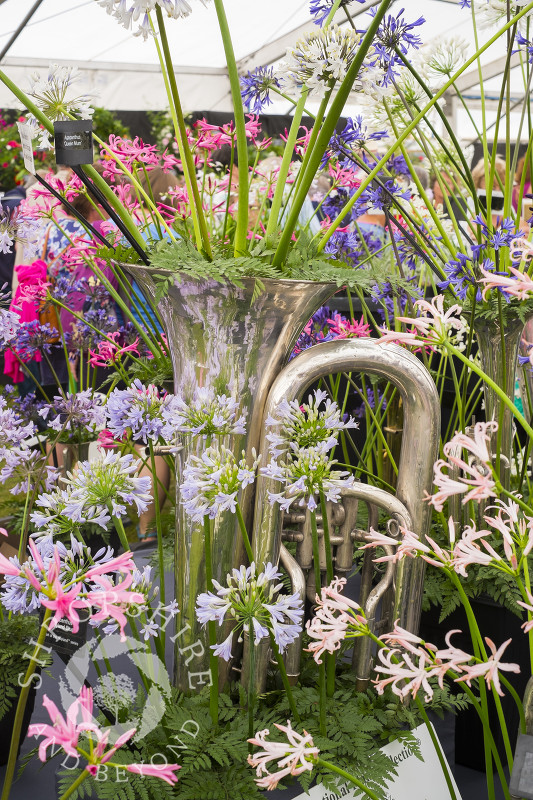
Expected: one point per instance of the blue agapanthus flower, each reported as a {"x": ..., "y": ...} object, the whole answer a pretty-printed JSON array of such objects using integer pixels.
[
  {"x": 394, "y": 34},
  {"x": 501, "y": 236},
  {"x": 459, "y": 275},
  {"x": 320, "y": 9},
  {"x": 355, "y": 135},
  {"x": 256, "y": 87}
]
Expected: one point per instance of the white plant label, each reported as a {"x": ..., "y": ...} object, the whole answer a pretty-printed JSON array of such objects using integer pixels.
[
  {"x": 25, "y": 133},
  {"x": 416, "y": 780}
]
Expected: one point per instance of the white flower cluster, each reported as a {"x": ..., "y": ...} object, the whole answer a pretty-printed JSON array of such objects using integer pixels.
[
  {"x": 139, "y": 11},
  {"x": 52, "y": 94}
]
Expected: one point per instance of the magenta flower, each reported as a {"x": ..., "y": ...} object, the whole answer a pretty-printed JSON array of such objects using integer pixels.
[
  {"x": 113, "y": 600},
  {"x": 65, "y": 604},
  {"x": 163, "y": 771},
  {"x": 294, "y": 757},
  {"x": 109, "y": 352},
  {"x": 66, "y": 732}
]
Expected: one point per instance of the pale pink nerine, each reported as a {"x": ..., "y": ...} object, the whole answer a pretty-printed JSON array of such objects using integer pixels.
[
  {"x": 467, "y": 551},
  {"x": 489, "y": 669},
  {"x": 520, "y": 287},
  {"x": 528, "y": 624},
  {"x": 294, "y": 757},
  {"x": 479, "y": 485},
  {"x": 432, "y": 328},
  {"x": 408, "y": 672},
  {"x": 335, "y": 615},
  {"x": 409, "y": 545}
]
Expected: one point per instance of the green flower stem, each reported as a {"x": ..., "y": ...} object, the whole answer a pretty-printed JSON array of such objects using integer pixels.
[
  {"x": 240, "y": 244},
  {"x": 251, "y": 689},
  {"x": 334, "y": 8},
  {"x": 244, "y": 532},
  {"x": 272, "y": 224},
  {"x": 183, "y": 143},
  {"x": 159, "y": 530},
  {"x": 403, "y": 136},
  {"x": 330, "y": 657},
  {"x": 318, "y": 588},
  {"x": 211, "y": 625},
  {"x": 284, "y": 676},
  {"x": 79, "y": 780},
  {"x": 346, "y": 775},
  {"x": 326, "y": 133},
  {"x": 494, "y": 386},
  {"x": 21, "y": 706}
]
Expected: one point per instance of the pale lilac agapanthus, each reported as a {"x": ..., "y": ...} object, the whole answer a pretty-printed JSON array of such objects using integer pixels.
[
  {"x": 108, "y": 483},
  {"x": 80, "y": 724},
  {"x": 304, "y": 474},
  {"x": 142, "y": 412},
  {"x": 254, "y": 602},
  {"x": 293, "y": 425},
  {"x": 208, "y": 414},
  {"x": 296, "y": 755},
  {"x": 212, "y": 482},
  {"x": 9, "y": 326},
  {"x": 78, "y": 412}
]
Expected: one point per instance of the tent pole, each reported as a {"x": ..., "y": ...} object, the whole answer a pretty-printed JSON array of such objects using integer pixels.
[{"x": 20, "y": 28}]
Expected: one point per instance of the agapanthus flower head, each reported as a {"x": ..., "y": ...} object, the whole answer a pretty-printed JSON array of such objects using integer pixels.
[
  {"x": 305, "y": 473},
  {"x": 253, "y": 601},
  {"x": 443, "y": 56},
  {"x": 212, "y": 482},
  {"x": 208, "y": 414},
  {"x": 54, "y": 97},
  {"x": 129, "y": 11},
  {"x": 256, "y": 87},
  {"x": 320, "y": 9},
  {"x": 296, "y": 755},
  {"x": 141, "y": 411},
  {"x": 8, "y": 230},
  {"x": 319, "y": 60},
  {"x": 109, "y": 482},
  {"x": 295, "y": 426},
  {"x": 32, "y": 339},
  {"x": 75, "y": 412}
]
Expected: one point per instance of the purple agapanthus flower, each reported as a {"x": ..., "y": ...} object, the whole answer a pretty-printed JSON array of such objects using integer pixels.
[
  {"x": 207, "y": 414},
  {"x": 141, "y": 411},
  {"x": 460, "y": 276},
  {"x": 32, "y": 338},
  {"x": 212, "y": 482},
  {"x": 75, "y": 412},
  {"x": 320, "y": 9},
  {"x": 394, "y": 34},
  {"x": 255, "y": 606},
  {"x": 9, "y": 327},
  {"x": 502, "y": 236},
  {"x": 256, "y": 87}
]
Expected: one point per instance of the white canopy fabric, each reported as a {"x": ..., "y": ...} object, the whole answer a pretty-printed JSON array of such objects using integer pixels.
[{"x": 121, "y": 70}]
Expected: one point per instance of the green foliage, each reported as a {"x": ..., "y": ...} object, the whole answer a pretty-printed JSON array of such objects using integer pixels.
[
  {"x": 303, "y": 263},
  {"x": 106, "y": 123},
  {"x": 15, "y": 634}
]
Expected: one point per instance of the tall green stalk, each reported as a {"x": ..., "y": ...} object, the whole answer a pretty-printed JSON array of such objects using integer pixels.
[
  {"x": 240, "y": 243},
  {"x": 211, "y": 625}
]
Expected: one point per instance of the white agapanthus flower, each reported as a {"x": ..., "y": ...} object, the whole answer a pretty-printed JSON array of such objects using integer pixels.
[
  {"x": 320, "y": 60},
  {"x": 54, "y": 96},
  {"x": 494, "y": 12},
  {"x": 440, "y": 58},
  {"x": 138, "y": 11}
]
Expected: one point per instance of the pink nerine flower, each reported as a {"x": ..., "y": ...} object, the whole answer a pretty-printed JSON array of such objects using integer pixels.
[
  {"x": 489, "y": 669},
  {"x": 528, "y": 624},
  {"x": 163, "y": 771},
  {"x": 65, "y": 733},
  {"x": 65, "y": 604},
  {"x": 294, "y": 757},
  {"x": 433, "y": 327},
  {"x": 521, "y": 286},
  {"x": 113, "y": 600},
  {"x": 109, "y": 352},
  {"x": 336, "y": 617}
]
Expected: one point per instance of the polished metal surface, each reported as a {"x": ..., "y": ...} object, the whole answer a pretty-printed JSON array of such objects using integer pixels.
[
  {"x": 293, "y": 652},
  {"x": 500, "y": 366},
  {"x": 418, "y": 450},
  {"x": 219, "y": 338}
]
